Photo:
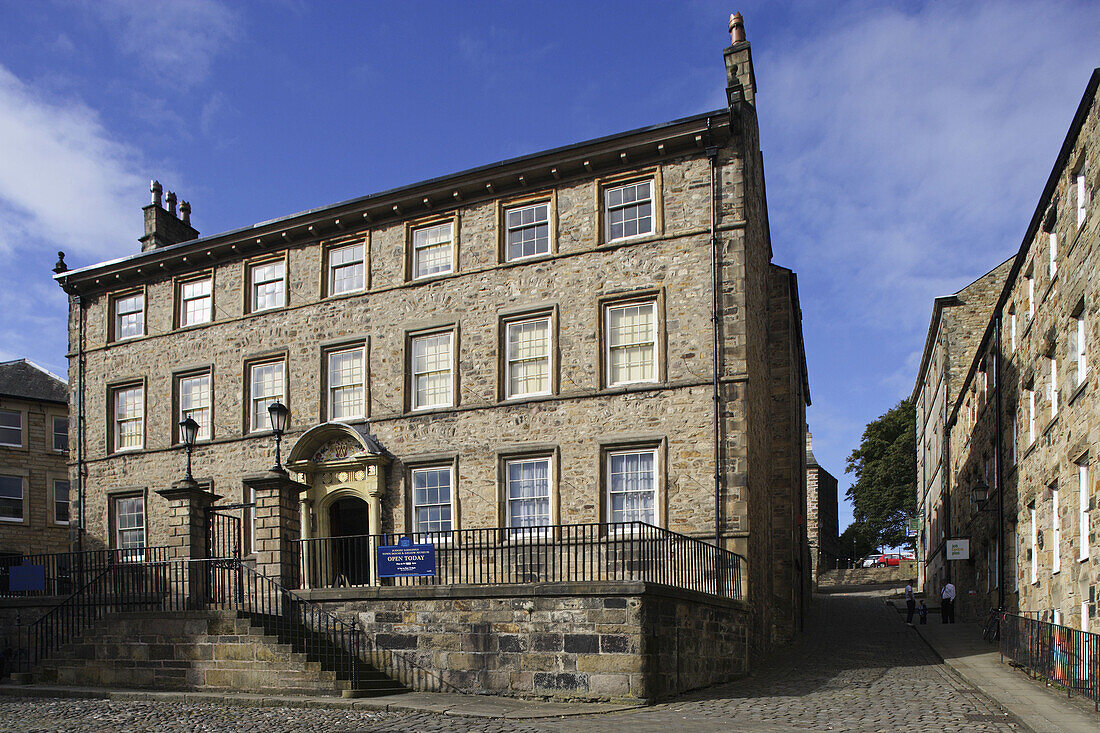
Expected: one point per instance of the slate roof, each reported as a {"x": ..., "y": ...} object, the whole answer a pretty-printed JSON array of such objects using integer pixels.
[{"x": 26, "y": 380}]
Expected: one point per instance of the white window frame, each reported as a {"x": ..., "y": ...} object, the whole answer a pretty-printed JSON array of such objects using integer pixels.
[
  {"x": 415, "y": 374},
  {"x": 1052, "y": 248},
  {"x": 56, "y": 503},
  {"x": 609, "y": 349},
  {"x": 425, "y": 233},
  {"x": 254, "y": 285},
  {"x": 523, "y": 227},
  {"x": 1031, "y": 416},
  {"x": 19, "y": 419},
  {"x": 511, "y": 361},
  {"x": 1056, "y": 532},
  {"x": 278, "y": 395},
  {"x": 1034, "y": 543},
  {"x": 1080, "y": 347},
  {"x": 1052, "y": 387},
  {"x": 117, "y": 394},
  {"x": 609, "y": 456},
  {"x": 1082, "y": 190},
  {"x": 1030, "y": 284},
  {"x": 206, "y": 422},
  {"x": 1012, "y": 328},
  {"x": 118, "y": 315},
  {"x": 22, "y": 499},
  {"x": 330, "y": 389},
  {"x": 1013, "y": 446},
  {"x": 132, "y": 552},
  {"x": 531, "y": 529},
  {"x": 55, "y": 433},
  {"x": 336, "y": 268},
  {"x": 433, "y": 535},
  {"x": 185, "y": 300},
  {"x": 608, "y": 208},
  {"x": 1083, "y": 506}
]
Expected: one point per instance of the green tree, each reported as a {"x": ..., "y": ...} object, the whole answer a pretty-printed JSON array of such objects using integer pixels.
[
  {"x": 884, "y": 493},
  {"x": 858, "y": 540}
]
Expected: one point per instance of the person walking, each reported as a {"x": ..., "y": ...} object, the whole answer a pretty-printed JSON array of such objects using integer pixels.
[
  {"x": 947, "y": 603},
  {"x": 910, "y": 602}
]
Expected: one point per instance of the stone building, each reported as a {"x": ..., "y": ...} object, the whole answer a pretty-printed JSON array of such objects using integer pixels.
[
  {"x": 822, "y": 520},
  {"x": 34, "y": 450},
  {"x": 1022, "y": 422},
  {"x": 590, "y": 334}
]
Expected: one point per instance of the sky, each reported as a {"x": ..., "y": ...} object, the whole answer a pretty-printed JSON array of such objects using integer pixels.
[{"x": 905, "y": 143}]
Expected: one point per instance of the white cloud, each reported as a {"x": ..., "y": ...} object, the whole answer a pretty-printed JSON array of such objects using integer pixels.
[
  {"x": 63, "y": 181},
  {"x": 176, "y": 40}
]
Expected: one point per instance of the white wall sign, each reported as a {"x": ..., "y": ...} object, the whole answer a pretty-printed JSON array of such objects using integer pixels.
[{"x": 958, "y": 549}]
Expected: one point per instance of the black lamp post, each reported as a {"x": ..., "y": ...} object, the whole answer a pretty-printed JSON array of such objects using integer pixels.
[
  {"x": 189, "y": 430},
  {"x": 278, "y": 413}
]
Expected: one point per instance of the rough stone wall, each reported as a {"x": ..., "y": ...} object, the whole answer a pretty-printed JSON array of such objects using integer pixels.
[
  {"x": 905, "y": 570},
  {"x": 18, "y": 613},
  {"x": 39, "y": 465},
  {"x": 1062, "y": 440},
  {"x": 822, "y": 520},
  {"x": 562, "y": 641}
]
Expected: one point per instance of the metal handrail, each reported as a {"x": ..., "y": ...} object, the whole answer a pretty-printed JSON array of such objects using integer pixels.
[
  {"x": 554, "y": 553},
  {"x": 65, "y": 571}
]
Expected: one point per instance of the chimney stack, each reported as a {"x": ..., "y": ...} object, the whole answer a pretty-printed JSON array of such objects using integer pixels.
[
  {"x": 740, "y": 80},
  {"x": 163, "y": 227}
]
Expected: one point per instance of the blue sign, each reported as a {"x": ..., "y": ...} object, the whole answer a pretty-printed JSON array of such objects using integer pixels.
[
  {"x": 406, "y": 560},
  {"x": 27, "y": 577}
]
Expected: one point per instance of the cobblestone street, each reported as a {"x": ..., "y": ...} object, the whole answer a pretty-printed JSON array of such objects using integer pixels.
[{"x": 857, "y": 668}]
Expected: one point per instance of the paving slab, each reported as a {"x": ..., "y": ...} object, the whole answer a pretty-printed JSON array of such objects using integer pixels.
[{"x": 979, "y": 662}]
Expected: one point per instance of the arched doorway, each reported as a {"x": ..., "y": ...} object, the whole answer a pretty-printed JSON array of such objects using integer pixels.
[{"x": 348, "y": 524}]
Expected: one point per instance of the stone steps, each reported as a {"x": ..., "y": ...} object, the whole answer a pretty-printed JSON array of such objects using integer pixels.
[{"x": 206, "y": 650}]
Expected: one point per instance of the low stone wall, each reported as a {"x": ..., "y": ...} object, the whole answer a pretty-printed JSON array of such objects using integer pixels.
[
  {"x": 575, "y": 641},
  {"x": 15, "y": 615},
  {"x": 907, "y": 570}
]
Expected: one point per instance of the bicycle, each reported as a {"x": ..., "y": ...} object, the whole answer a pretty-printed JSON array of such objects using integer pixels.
[{"x": 992, "y": 631}]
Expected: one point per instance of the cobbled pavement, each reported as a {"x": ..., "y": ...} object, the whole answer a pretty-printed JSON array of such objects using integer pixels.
[{"x": 856, "y": 668}]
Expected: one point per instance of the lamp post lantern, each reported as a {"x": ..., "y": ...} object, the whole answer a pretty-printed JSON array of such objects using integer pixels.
[
  {"x": 278, "y": 413},
  {"x": 189, "y": 431}
]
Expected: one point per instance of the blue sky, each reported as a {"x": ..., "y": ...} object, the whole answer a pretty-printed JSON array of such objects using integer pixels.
[{"x": 905, "y": 144}]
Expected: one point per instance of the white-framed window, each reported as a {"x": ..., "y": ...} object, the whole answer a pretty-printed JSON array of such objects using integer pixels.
[
  {"x": 129, "y": 522},
  {"x": 1029, "y": 283},
  {"x": 251, "y": 513},
  {"x": 631, "y": 342},
  {"x": 432, "y": 250},
  {"x": 1081, "y": 194},
  {"x": 528, "y": 492},
  {"x": 346, "y": 269},
  {"x": 11, "y": 428},
  {"x": 433, "y": 499},
  {"x": 1013, "y": 444},
  {"x": 1012, "y": 561},
  {"x": 1055, "y": 531},
  {"x": 1030, "y": 416},
  {"x": 1052, "y": 249},
  {"x": 61, "y": 502},
  {"x": 1078, "y": 346},
  {"x": 11, "y": 498},
  {"x": 628, "y": 210},
  {"x": 267, "y": 384},
  {"x": 268, "y": 285},
  {"x": 129, "y": 318},
  {"x": 632, "y": 486},
  {"x": 1083, "y": 508},
  {"x": 1034, "y": 542},
  {"x": 1012, "y": 328},
  {"x": 1052, "y": 385},
  {"x": 129, "y": 418},
  {"x": 1085, "y": 617},
  {"x": 528, "y": 346},
  {"x": 347, "y": 384},
  {"x": 433, "y": 370},
  {"x": 195, "y": 399},
  {"x": 196, "y": 301},
  {"x": 60, "y": 434},
  {"x": 527, "y": 231}
]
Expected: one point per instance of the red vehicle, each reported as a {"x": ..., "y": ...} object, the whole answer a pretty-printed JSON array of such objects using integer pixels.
[{"x": 890, "y": 559}]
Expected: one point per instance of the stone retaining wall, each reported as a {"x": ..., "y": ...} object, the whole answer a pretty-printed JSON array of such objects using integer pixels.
[
  {"x": 15, "y": 615},
  {"x": 590, "y": 641},
  {"x": 868, "y": 576}
]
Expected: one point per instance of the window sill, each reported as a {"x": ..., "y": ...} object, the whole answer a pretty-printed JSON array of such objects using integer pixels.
[
  {"x": 1031, "y": 448},
  {"x": 272, "y": 309},
  {"x": 1079, "y": 389},
  {"x": 11, "y": 520},
  {"x": 630, "y": 387},
  {"x": 1051, "y": 423},
  {"x": 344, "y": 295},
  {"x": 623, "y": 241},
  {"x": 193, "y": 326},
  {"x": 126, "y": 451},
  {"x": 431, "y": 278},
  {"x": 540, "y": 257}
]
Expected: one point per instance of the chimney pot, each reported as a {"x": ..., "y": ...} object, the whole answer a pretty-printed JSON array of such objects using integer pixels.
[
  {"x": 737, "y": 28},
  {"x": 185, "y": 212},
  {"x": 156, "y": 190},
  {"x": 171, "y": 198}
]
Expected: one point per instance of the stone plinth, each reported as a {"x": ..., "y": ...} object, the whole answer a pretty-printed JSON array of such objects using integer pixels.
[{"x": 278, "y": 524}]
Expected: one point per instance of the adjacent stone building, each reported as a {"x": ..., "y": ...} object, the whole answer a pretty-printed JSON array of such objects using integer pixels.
[
  {"x": 34, "y": 451},
  {"x": 590, "y": 334},
  {"x": 1021, "y": 423},
  {"x": 822, "y": 520}
]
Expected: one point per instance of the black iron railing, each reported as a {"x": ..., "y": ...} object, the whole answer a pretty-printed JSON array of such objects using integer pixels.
[
  {"x": 1058, "y": 654},
  {"x": 66, "y": 572},
  {"x": 554, "y": 554}
]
